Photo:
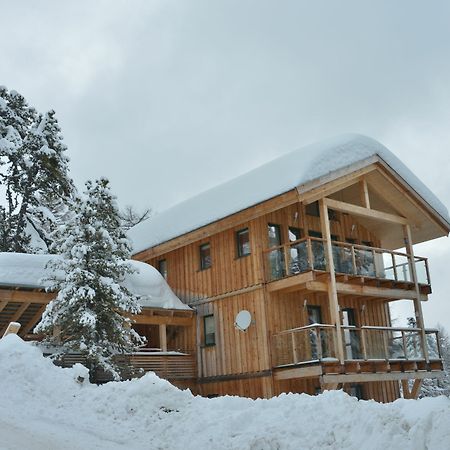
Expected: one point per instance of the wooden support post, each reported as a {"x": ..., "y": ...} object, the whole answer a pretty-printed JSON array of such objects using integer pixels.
[
  {"x": 415, "y": 390},
  {"x": 355, "y": 269},
  {"x": 332, "y": 289},
  {"x": 13, "y": 328},
  {"x": 364, "y": 192},
  {"x": 310, "y": 254},
  {"x": 294, "y": 349},
  {"x": 363, "y": 343},
  {"x": 417, "y": 303},
  {"x": 163, "y": 337}
]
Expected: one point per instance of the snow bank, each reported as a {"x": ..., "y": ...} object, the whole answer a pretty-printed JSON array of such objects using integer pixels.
[
  {"x": 28, "y": 271},
  {"x": 42, "y": 401},
  {"x": 294, "y": 169}
]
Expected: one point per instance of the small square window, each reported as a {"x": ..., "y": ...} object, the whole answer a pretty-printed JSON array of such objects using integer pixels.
[
  {"x": 162, "y": 267},
  {"x": 243, "y": 242},
  {"x": 205, "y": 256},
  {"x": 210, "y": 330}
]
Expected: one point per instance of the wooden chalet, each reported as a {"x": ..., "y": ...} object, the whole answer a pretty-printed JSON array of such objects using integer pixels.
[
  {"x": 315, "y": 245},
  {"x": 164, "y": 319}
]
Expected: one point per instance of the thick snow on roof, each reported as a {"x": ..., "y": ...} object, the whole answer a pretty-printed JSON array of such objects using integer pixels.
[
  {"x": 297, "y": 168},
  {"x": 27, "y": 271}
]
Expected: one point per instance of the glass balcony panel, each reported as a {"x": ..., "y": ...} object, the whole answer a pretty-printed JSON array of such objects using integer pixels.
[
  {"x": 413, "y": 345},
  {"x": 402, "y": 268},
  {"x": 275, "y": 260},
  {"x": 432, "y": 344},
  {"x": 421, "y": 270},
  {"x": 352, "y": 343},
  {"x": 365, "y": 264},
  {"x": 298, "y": 258},
  {"x": 396, "y": 347},
  {"x": 318, "y": 252},
  {"x": 343, "y": 261}
]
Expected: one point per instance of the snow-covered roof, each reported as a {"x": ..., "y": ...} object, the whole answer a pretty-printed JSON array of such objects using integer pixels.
[
  {"x": 27, "y": 271},
  {"x": 325, "y": 159}
]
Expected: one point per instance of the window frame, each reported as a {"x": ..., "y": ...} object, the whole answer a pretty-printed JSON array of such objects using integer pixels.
[
  {"x": 203, "y": 264},
  {"x": 164, "y": 272},
  {"x": 206, "y": 342},
  {"x": 239, "y": 248},
  {"x": 277, "y": 226}
]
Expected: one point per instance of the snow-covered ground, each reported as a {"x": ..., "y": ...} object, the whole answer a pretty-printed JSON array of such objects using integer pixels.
[{"x": 45, "y": 407}]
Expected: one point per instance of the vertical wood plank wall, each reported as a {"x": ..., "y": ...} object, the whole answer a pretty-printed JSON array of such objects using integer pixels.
[{"x": 238, "y": 353}]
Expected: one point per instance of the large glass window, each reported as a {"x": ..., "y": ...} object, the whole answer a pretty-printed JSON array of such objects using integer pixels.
[
  {"x": 243, "y": 242},
  {"x": 205, "y": 256},
  {"x": 209, "y": 330}
]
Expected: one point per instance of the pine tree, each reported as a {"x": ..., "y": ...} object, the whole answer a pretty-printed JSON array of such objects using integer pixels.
[
  {"x": 440, "y": 386},
  {"x": 33, "y": 173},
  {"x": 89, "y": 312}
]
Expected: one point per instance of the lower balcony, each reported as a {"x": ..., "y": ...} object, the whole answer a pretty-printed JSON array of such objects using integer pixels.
[
  {"x": 370, "y": 354},
  {"x": 171, "y": 365}
]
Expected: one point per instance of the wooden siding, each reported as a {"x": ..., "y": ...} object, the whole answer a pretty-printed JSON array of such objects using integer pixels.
[
  {"x": 229, "y": 273},
  {"x": 235, "y": 351}
]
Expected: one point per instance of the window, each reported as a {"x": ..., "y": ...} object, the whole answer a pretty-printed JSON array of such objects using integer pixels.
[
  {"x": 294, "y": 234},
  {"x": 356, "y": 390},
  {"x": 243, "y": 242},
  {"x": 210, "y": 330},
  {"x": 205, "y": 256},
  {"x": 313, "y": 210},
  {"x": 276, "y": 256},
  {"x": 274, "y": 233},
  {"x": 315, "y": 234},
  {"x": 162, "y": 267}
]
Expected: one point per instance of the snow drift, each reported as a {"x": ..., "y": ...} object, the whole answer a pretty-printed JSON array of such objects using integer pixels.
[{"x": 49, "y": 407}]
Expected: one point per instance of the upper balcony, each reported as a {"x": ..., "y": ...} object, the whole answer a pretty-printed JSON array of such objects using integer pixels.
[{"x": 285, "y": 264}]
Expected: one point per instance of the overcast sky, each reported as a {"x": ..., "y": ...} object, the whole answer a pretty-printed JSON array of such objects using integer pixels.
[{"x": 168, "y": 98}]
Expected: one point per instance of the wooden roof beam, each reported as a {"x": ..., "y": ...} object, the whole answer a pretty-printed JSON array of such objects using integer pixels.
[
  {"x": 365, "y": 212},
  {"x": 310, "y": 194}
]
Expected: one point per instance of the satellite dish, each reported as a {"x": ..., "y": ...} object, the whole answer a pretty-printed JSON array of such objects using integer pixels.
[{"x": 243, "y": 320}]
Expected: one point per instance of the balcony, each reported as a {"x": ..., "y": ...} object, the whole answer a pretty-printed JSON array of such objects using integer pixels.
[
  {"x": 170, "y": 365},
  {"x": 350, "y": 261},
  {"x": 311, "y": 351}
]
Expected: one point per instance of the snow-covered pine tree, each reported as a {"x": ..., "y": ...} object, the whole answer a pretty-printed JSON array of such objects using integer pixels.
[
  {"x": 440, "y": 386},
  {"x": 33, "y": 173},
  {"x": 89, "y": 312}
]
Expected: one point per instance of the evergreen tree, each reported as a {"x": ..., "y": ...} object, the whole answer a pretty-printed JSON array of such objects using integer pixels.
[
  {"x": 439, "y": 386},
  {"x": 33, "y": 174},
  {"x": 89, "y": 312}
]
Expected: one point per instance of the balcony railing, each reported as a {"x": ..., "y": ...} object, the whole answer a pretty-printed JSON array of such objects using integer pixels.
[
  {"x": 316, "y": 342},
  {"x": 351, "y": 259}
]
